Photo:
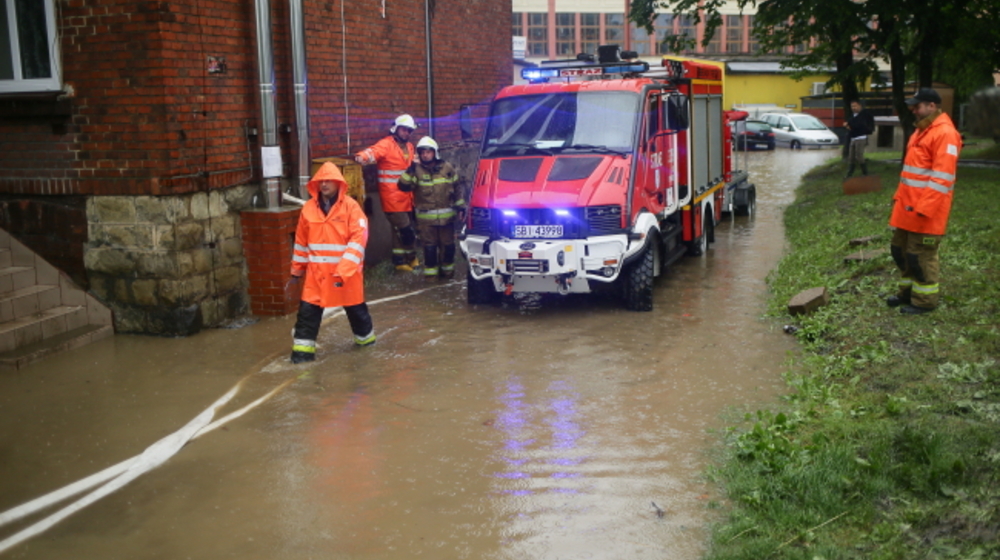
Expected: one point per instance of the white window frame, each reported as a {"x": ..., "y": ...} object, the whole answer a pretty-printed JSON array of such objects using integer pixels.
[{"x": 35, "y": 85}]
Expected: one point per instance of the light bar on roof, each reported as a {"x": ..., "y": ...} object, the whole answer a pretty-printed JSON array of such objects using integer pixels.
[{"x": 538, "y": 74}]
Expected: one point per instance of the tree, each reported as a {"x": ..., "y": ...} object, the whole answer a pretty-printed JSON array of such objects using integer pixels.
[{"x": 853, "y": 35}]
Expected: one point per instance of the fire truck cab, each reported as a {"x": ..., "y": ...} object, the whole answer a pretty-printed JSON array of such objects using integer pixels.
[{"x": 600, "y": 172}]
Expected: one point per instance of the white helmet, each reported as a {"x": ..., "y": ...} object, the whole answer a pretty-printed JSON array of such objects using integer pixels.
[
  {"x": 428, "y": 142},
  {"x": 404, "y": 120}
]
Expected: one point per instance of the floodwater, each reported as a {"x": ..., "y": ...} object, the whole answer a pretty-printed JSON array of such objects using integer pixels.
[{"x": 464, "y": 433}]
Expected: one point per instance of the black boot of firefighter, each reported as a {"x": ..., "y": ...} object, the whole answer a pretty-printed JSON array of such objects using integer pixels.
[
  {"x": 306, "y": 330},
  {"x": 430, "y": 261},
  {"x": 448, "y": 262}
]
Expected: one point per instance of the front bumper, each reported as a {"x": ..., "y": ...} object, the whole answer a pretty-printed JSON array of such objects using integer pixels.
[{"x": 550, "y": 265}]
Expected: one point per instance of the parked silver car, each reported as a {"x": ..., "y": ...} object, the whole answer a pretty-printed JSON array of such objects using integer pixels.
[{"x": 799, "y": 130}]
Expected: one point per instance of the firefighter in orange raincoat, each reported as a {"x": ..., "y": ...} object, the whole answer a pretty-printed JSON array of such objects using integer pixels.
[
  {"x": 922, "y": 203},
  {"x": 329, "y": 251},
  {"x": 393, "y": 154}
]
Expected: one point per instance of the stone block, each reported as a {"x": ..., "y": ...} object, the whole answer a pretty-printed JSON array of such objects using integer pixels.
[
  {"x": 862, "y": 184},
  {"x": 184, "y": 291},
  {"x": 137, "y": 236},
  {"x": 199, "y": 206},
  {"x": 121, "y": 291},
  {"x": 113, "y": 262},
  {"x": 157, "y": 264},
  {"x": 163, "y": 238},
  {"x": 241, "y": 197},
  {"x": 223, "y": 227},
  {"x": 231, "y": 251},
  {"x": 807, "y": 301},
  {"x": 185, "y": 264},
  {"x": 864, "y": 240},
  {"x": 202, "y": 261},
  {"x": 868, "y": 255},
  {"x": 217, "y": 204},
  {"x": 189, "y": 235},
  {"x": 161, "y": 210},
  {"x": 144, "y": 292},
  {"x": 111, "y": 210},
  {"x": 228, "y": 278}
]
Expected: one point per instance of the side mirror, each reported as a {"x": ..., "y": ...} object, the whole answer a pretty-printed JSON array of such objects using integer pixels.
[{"x": 677, "y": 115}]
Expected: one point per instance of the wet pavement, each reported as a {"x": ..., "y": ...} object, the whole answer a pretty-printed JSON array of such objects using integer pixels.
[{"x": 465, "y": 432}]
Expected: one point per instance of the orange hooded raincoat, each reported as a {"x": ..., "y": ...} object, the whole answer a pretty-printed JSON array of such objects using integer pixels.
[
  {"x": 392, "y": 162},
  {"x": 923, "y": 198},
  {"x": 330, "y": 248}
]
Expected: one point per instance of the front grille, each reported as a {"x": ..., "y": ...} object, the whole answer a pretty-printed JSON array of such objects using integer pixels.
[
  {"x": 577, "y": 223},
  {"x": 604, "y": 219},
  {"x": 522, "y": 266}
]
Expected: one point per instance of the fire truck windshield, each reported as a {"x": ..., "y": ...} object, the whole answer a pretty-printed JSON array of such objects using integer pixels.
[{"x": 599, "y": 121}]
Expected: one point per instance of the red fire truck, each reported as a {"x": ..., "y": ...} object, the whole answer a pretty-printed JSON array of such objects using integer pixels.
[{"x": 600, "y": 172}]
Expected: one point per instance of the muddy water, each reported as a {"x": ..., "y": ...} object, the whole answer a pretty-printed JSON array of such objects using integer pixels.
[{"x": 484, "y": 433}]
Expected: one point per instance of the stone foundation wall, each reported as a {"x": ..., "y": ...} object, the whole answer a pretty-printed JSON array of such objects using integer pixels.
[{"x": 168, "y": 265}]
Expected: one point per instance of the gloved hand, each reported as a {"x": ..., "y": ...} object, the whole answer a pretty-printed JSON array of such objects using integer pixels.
[
  {"x": 460, "y": 215},
  {"x": 293, "y": 288}
]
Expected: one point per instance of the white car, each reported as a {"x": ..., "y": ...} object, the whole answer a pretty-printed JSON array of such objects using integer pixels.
[{"x": 799, "y": 130}]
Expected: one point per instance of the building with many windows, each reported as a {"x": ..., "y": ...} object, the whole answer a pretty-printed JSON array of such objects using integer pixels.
[{"x": 558, "y": 29}]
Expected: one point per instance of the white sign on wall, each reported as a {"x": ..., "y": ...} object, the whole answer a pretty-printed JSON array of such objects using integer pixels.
[{"x": 520, "y": 47}]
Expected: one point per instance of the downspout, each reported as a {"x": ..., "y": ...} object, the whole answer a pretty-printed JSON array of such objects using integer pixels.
[
  {"x": 270, "y": 151},
  {"x": 430, "y": 69},
  {"x": 300, "y": 79}
]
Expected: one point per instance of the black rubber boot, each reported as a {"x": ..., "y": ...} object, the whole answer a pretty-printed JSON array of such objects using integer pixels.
[
  {"x": 300, "y": 357},
  {"x": 850, "y": 171},
  {"x": 864, "y": 169}
]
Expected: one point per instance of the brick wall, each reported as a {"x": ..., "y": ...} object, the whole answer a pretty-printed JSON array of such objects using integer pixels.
[
  {"x": 268, "y": 237},
  {"x": 141, "y": 115}
]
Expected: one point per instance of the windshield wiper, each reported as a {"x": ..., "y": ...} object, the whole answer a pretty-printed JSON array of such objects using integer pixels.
[
  {"x": 593, "y": 148},
  {"x": 517, "y": 146}
]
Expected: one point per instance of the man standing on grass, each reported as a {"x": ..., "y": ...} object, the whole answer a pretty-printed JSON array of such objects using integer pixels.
[{"x": 922, "y": 203}]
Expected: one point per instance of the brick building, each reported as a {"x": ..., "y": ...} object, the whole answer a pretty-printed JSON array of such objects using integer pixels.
[{"x": 130, "y": 133}]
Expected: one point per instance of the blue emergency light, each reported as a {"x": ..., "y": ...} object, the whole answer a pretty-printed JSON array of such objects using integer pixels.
[{"x": 583, "y": 70}]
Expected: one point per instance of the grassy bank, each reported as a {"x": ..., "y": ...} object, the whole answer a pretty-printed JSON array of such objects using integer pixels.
[{"x": 888, "y": 443}]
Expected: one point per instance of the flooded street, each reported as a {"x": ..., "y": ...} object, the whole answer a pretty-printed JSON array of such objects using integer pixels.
[{"x": 464, "y": 433}]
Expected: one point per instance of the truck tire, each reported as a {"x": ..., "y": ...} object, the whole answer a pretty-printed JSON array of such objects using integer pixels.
[
  {"x": 750, "y": 207},
  {"x": 480, "y": 292},
  {"x": 639, "y": 282},
  {"x": 699, "y": 246}
]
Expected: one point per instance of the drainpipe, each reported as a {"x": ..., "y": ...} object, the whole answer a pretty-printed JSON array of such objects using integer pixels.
[
  {"x": 430, "y": 69},
  {"x": 270, "y": 151},
  {"x": 301, "y": 99}
]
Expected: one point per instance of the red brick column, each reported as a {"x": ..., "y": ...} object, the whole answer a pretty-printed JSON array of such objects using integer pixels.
[{"x": 268, "y": 236}]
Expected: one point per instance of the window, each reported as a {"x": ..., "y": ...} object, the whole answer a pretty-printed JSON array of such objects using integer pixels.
[
  {"x": 28, "y": 50},
  {"x": 734, "y": 34},
  {"x": 640, "y": 40},
  {"x": 614, "y": 29},
  {"x": 688, "y": 29},
  {"x": 715, "y": 43},
  {"x": 754, "y": 46},
  {"x": 590, "y": 32},
  {"x": 516, "y": 27},
  {"x": 663, "y": 26},
  {"x": 538, "y": 35},
  {"x": 566, "y": 35}
]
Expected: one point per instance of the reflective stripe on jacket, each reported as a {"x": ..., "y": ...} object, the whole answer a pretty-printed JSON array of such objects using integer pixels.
[
  {"x": 923, "y": 198},
  {"x": 392, "y": 161},
  {"x": 330, "y": 248},
  {"x": 437, "y": 191}
]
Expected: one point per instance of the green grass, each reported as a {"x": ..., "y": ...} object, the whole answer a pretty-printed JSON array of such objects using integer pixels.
[{"x": 887, "y": 445}]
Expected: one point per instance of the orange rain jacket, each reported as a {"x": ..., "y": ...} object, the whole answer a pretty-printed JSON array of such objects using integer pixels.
[
  {"x": 330, "y": 248},
  {"x": 392, "y": 162},
  {"x": 922, "y": 201}
]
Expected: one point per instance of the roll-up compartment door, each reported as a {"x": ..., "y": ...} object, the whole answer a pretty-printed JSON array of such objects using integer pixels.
[
  {"x": 715, "y": 137},
  {"x": 699, "y": 143}
]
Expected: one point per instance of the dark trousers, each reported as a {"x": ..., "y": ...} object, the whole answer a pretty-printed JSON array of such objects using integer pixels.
[{"x": 310, "y": 316}]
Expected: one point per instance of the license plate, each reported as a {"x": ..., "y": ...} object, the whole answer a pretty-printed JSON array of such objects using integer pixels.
[
  {"x": 760, "y": 145},
  {"x": 536, "y": 232}
]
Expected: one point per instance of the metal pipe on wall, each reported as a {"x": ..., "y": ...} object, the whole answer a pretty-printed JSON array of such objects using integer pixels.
[
  {"x": 269, "y": 150},
  {"x": 430, "y": 69},
  {"x": 300, "y": 79}
]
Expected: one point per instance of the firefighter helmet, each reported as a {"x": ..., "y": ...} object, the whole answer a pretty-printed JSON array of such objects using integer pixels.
[
  {"x": 428, "y": 142},
  {"x": 404, "y": 120}
]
